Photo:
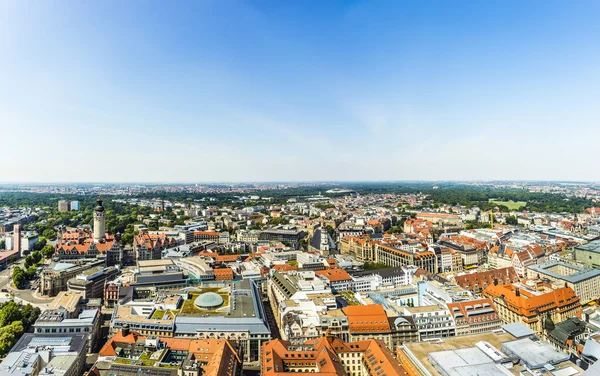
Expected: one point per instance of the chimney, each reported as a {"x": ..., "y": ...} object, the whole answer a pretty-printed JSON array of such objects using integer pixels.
[{"x": 125, "y": 330}]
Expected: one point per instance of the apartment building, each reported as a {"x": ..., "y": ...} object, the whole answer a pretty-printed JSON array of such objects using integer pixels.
[
  {"x": 432, "y": 321},
  {"x": 395, "y": 257},
  {"x": 531, "y": 303},
  {"x": 330, "y": 356},
  {"x": 584, "y": 281},
  {"x": 475, "y": 316}
]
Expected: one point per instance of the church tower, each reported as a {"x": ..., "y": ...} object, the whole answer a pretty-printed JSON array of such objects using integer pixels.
[{"x": 99, "y": 223}]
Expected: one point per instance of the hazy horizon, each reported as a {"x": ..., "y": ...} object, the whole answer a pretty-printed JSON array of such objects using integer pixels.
[
  {"x": 226, "y": 90},
  {"x": 321, "y": 182}
]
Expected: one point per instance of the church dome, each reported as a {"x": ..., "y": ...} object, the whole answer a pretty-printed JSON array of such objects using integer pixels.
[{"x": 209, "y": 300}]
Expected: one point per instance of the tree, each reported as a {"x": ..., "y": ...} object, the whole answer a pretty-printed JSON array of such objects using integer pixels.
[
  {"x": 19, "y": 278},
  {"x": 10, "y": 312},
  {"x": 374, "y": 266},
  {"x": 127, "y": 238},
  {"x": 29, "y": 261},
  {"x": 9, "y": 335},
  {"x": 48, "y": 251},
  {"x": 293, "y": 263},
  {"x": 37, "y": 256},
  {"x": 512, "y": 220},
  {"x": 49, "y": 234},
  {"x": 29, "y": 314},
  {"x": 41, "y": 243},
  {"x": 2, "y": 244}
]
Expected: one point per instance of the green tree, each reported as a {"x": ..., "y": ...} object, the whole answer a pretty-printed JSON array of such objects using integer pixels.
[
  {"x": 49, "y": 234},
  {"x": 41, "y": 243},
  {"x": 37, "y": 256},
  {"x": 127, "y": 238},
  {"x": 29, "y": 261},
  {"x": 19, "y": 278},
  {"x": 9, "y": 336},
  {"x": 293, "y": 263},
  {"x": 48, "y": 251},
  {"x": 10, "y": 312},
  {"x": 512, "y": 220},
  {"x": 29, "y": 314}
]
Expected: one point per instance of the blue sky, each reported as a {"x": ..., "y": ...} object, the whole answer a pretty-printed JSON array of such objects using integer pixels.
[{"x": 219, "y": 90}]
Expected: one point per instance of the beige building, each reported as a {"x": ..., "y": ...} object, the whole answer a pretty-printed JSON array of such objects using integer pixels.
[
  {"x": 55, "y": 278},
  {"x": 584, "y": 281},
  {"x": 530, "y": 304}
]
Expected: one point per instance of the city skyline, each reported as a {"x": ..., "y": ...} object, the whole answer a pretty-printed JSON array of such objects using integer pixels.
[{"x": 262, "y": 91}]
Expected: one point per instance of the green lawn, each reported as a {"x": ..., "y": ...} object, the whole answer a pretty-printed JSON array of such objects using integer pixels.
[{"x": 511, "y": 205}]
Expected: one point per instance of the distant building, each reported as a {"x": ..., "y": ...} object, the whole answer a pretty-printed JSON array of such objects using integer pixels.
[
  {"x": 589, "y": 254},
  {"x": 206, "y": 235},
  {"x": 285, "y": 234},
  {"x": 27, "y": 241},
  {"x": 322, "y": 242},
  {"x": 148, "y": 246},
  {"x": 99, "y": 223},
  {"x": 63, "y": 206},
  {"x": 75, "y": 205},
  {"x": 17, "y": 240},
  {"x": 395, "y": 257}
]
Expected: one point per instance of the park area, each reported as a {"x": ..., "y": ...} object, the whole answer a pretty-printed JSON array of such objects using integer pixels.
[{"x": 511, "y": 205}]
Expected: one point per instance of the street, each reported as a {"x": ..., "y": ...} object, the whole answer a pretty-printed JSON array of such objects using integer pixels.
[{"x": 21, "y": 296}]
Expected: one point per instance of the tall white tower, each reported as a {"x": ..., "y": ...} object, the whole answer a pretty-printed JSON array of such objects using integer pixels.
[
  {"x": 99, "y": 223},
  {"x": 324, "y": 239}
]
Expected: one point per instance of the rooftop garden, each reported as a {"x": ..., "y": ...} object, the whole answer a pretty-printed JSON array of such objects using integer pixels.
[{"x": 189, "y": 307}]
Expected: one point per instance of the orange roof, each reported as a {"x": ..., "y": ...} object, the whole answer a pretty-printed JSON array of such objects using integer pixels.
[
  {"x": 320, "y": 356},
  {"x": 367, "y": 318},
  {"x": 524, "y": 303},
  {"x": 207, "y": 233},
  {"x": 109, "y": 347},
  {"x": 226, "y": 258},
  {"x": 284, "y": 267},
  {"x": 334, "y": 275},
  {"x": 223, "y": 273},
  {"x": 465, "y": 307},
  {"x": 478, "y": 281}
]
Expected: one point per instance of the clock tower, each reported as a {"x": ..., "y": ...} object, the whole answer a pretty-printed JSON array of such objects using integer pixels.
[{"x": 99, "y": 223}]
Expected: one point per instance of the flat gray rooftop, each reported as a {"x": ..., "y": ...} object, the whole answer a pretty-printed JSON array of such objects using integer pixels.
[{"x": 534, "y": 354}]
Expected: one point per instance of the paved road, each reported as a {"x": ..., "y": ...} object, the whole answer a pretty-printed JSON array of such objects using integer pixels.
[{"x": 22, "y": 296}]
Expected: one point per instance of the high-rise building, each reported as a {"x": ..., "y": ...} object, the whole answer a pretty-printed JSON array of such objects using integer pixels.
[
  {"x": 63, "y": 205},
  {"x": 99, "y": 223},
  {"x": 75, "y": 205},
  {"x": 17, "y": 239}
]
